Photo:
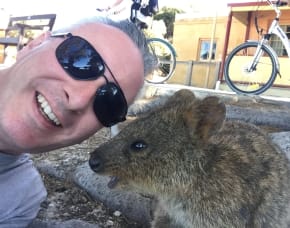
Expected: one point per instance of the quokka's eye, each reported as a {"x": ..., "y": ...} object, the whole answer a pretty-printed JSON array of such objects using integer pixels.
[{"x": 139, "y": 145}]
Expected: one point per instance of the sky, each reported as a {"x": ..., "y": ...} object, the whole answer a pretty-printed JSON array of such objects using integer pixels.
[
  {"x": 38, "y": 6},
  {"x": 67, "y": 9}
]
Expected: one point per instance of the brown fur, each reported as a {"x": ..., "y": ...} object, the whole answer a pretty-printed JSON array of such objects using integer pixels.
[{"x": 205, "y": 171}]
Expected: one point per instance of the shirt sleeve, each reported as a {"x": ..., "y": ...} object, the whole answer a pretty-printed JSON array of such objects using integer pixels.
[{"x": 21, "y": 193}]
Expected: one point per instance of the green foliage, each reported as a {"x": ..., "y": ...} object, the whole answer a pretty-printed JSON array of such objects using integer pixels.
[{"x": 168, "y": 16}]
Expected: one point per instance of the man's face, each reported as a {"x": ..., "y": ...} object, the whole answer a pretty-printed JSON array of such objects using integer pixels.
[{"x": 44, "y": 108}]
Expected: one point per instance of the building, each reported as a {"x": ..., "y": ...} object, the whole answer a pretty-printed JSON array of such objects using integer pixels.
[{"x": 207, "y": 40}]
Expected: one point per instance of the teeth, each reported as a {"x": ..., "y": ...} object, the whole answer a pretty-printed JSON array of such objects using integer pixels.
[{"x": 47, "y": 109}]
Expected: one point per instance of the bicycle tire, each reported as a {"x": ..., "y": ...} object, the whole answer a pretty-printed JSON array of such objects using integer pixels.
[
  {"x": 166, "y": 57},
  {"x": 239, "y": 79}
]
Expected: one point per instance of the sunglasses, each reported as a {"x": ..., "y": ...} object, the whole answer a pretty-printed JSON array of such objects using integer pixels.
[{"x": 82, "y": 62}]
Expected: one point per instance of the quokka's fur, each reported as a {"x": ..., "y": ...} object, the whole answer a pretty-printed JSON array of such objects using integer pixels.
[{"x": 206, "y": 172}]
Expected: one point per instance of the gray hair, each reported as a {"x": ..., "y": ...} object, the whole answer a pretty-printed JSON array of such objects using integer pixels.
[{"x": 128, "y": 27}]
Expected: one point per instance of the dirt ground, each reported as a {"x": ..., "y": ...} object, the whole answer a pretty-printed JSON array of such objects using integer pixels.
[{"x": 67, "y": 201}]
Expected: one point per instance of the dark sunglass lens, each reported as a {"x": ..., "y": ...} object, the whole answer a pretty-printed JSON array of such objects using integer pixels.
[
  {"x": 79, "y": 59},
  {"x": 110, "y": 105}
]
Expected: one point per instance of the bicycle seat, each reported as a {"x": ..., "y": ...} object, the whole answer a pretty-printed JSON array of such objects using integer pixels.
[
  {"x": 281, "y": 3},
  {"x": 135, "y": 6}
]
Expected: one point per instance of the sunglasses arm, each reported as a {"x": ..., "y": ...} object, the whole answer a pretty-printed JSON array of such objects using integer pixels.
[{"x": 61, "y": 35}]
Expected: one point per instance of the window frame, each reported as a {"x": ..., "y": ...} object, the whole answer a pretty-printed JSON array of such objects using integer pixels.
[
  {"x": 204, "y": 46},
  {"x": 276, "y": 42}
]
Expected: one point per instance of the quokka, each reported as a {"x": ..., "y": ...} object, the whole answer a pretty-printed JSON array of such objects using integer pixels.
[{"x": 205, "y": 171}]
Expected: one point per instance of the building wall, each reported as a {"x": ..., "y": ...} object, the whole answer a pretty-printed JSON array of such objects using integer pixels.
[
  {"x": 187, "y": 37},
  {"x": 188, "y": 34},
  {"x": 2, "y": 34}
]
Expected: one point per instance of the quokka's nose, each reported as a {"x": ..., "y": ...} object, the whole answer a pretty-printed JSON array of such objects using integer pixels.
[{"x": 96, "y": 163}]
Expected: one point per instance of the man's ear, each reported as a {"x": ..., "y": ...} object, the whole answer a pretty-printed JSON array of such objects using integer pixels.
[{"x": 32, "y": 44}]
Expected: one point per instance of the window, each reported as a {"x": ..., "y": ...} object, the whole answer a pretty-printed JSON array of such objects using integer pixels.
[
  {"x": 276, "y": 43},
  {"x": 204, "y": 49}
]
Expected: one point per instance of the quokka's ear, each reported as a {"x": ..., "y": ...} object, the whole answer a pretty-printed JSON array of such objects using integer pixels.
[
  {"x": 183, "y": 95},
  {"x": 205, "y": 118}
]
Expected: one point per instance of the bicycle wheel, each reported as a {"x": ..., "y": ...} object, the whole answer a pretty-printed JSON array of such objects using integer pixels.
[
  {"x": 166, "y": 60},
  {"x": 240, "y": 78}
]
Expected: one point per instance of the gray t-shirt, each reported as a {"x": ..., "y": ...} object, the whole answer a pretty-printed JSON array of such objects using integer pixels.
[{"x": 21, "y": 191}]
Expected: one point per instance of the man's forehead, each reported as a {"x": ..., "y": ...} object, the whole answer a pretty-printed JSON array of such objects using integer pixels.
[{"x": 99, "y": 31}]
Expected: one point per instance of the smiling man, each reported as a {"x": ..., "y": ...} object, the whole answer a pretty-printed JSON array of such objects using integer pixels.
[{"x": 64, "y": 86}]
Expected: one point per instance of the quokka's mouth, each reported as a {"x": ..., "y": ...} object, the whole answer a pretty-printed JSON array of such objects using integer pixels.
[{"x": 113, "y": 182}]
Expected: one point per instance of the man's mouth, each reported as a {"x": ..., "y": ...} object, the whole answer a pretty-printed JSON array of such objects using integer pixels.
[{"x": 46, "y": 110}]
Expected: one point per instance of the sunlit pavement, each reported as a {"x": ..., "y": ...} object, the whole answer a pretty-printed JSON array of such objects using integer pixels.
[{"x": 274, "y": 93}]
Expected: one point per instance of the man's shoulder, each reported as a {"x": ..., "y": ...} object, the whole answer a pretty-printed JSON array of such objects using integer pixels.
[
  {"x": 10, "y": 161},
  {"x": 21, "y": 187},
  {"x": 17, "y": 173}
]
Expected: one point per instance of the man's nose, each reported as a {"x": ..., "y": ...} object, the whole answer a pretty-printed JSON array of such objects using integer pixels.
[{"x": 81, "y": 94}]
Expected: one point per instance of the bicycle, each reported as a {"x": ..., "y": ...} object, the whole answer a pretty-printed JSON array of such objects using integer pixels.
[
  {"x": 163, "y": 50},
  {"x": 252, "y": 67}
]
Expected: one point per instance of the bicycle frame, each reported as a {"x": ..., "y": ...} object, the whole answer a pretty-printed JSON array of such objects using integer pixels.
[
  {"x": 273, "y": 29},
  {"x": 276, "y": 29}
]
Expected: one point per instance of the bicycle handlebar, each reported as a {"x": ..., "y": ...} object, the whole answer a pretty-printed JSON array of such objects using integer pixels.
[
  {"x": 281, "y": 3},
  {"x": 275, "y": 5}
]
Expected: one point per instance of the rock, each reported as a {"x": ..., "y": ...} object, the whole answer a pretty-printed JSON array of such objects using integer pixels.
[
  {"x": 250, "y": 108},
  {"x": 133, "y": 205},
  {"x": 65, "y": 224},
  {"x": 282, "y": 140}
]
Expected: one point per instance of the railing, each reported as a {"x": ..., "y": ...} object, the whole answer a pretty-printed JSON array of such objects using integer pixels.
[
  {"x": 15, "y": 33},
  {"x": 202, "y": 74}
]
